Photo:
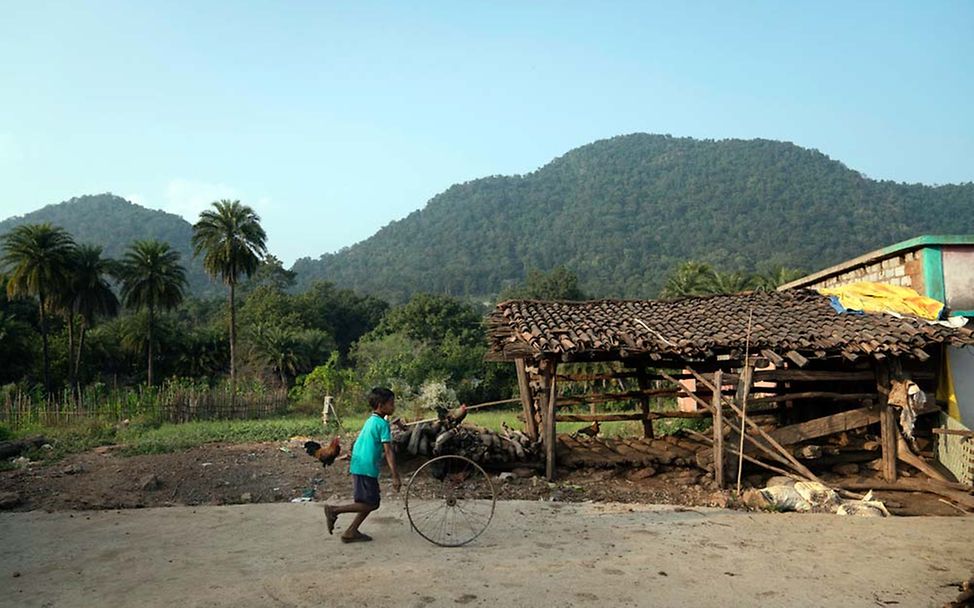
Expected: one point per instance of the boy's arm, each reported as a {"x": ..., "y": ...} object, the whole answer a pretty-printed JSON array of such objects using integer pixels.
[{"x": 391, "y": 460}]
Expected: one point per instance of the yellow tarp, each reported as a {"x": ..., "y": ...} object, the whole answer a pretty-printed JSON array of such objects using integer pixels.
[
  {"x": 945, "y": 388},
  {"x": 879, "y": 297}
]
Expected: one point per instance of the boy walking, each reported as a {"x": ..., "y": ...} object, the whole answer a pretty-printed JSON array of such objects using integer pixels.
[{"x": 373, "y": 442}]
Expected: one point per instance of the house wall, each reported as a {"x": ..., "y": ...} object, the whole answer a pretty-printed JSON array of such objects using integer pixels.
[{"x": 905, "y": 269}]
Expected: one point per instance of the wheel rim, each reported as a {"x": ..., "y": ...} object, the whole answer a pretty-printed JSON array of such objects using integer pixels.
[{"x": 459, "y": 500}]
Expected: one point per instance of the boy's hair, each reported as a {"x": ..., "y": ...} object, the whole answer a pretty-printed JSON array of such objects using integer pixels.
[{"x": 380, "y": 395}]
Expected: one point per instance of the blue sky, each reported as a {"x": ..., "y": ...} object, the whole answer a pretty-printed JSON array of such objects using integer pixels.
[{"x": 333, "y": 119}]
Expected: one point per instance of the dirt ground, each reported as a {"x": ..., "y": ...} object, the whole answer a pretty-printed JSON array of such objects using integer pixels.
[
  {"x": 217, "y": 474},
  {"x": 532, "y": 554}
]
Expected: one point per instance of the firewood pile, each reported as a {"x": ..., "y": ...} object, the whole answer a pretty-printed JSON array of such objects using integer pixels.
[{"x": 448, "y": 435}]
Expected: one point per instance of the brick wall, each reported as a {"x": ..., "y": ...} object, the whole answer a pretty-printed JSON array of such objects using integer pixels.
[{"x": 905, "y": 269}]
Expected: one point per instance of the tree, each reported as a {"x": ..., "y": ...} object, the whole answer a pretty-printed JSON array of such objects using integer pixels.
[
  {"x": 559, "y": 284},
  {"x": 232, "y": 243},
  {"x": 37, "y": 258},
  {"x": 88, "y": 295},
  {"x": 771, "y": 279},
  {"x": 729, "y": 282},
  {"x": 152, "y": 279},
  {"x": 691, "y": 278}
]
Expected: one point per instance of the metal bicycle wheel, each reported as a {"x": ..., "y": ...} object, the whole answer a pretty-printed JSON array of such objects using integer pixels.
[{"x": 450, "y": 500}]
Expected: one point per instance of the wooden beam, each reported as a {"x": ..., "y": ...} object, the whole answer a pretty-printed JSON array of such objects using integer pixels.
[
  {"x": 527, "y": 402},
  {"x": 624, "y": 417},
  {"x": 820, "y": 427},
  {"x": 718, "y": 432},
  {"x": 643, "y": 381},
  {"x": 551, "y": 431},
  {"x": 813, "y": 395},
  {"x": 887, "y": 422}
]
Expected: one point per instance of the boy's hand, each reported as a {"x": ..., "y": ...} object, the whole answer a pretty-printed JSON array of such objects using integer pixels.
[{"x": 396, "y": 483}]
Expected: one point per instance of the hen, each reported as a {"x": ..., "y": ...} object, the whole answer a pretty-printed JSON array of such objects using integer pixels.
[{"x": 325, "y": 454}]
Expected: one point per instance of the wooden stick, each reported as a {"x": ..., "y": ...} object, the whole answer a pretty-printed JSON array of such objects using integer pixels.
[
  {"x": 745, "y": 385},
  {"x": 718, "y": 434},
  {"x": 469, "y": 407}
]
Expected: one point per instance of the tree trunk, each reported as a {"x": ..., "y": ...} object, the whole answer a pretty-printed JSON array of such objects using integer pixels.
[
  {"x": 77, "y": 361},
  {"x": 47, "y": 358},
  {"x": 233, "y": 347},
  {"x": 71, "y": 371},
  {"x": 149, "y": 376}
]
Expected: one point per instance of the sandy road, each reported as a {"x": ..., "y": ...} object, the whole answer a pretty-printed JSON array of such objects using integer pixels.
[{"x": 534, "y": 554}]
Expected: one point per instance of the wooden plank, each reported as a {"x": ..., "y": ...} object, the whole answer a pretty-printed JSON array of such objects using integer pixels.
[
  {"x": 718, "y": 433},
  {"x": 527, "y": 402},
  {"x": 828, "y": 425},
  {"x": 598, "y": 417},
  {"x": 813, "y": 395}
]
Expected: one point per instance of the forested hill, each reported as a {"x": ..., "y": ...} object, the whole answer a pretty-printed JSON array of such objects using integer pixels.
[
  {"x": 114, "y": 223},
  {"x": 622, "y": 212}
]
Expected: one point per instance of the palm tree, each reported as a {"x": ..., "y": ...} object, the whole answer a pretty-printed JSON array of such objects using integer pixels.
[
  {"x": 773, "y": 278},
  {"x": 37, "y": 257},
  {"x": 232, "y": 243},
  {"x": 729, "y": 282},
  {"x": 91, "y": 294},
  {"x": 152, "y": 279},
  {"x": 691, "y": 278}
]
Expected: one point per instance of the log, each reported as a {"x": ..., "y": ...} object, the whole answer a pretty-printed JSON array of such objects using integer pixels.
[
  {"x": 549, "y": 418},
  {"x": 904, "y": 453},
  {"x": 958, "y": 432},
  {"x": 814, "y": 395}
]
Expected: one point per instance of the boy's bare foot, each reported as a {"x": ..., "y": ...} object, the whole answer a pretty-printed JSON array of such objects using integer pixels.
[
  {"x": 330, "y": 518},
  {"x": 358, "y": 537}
]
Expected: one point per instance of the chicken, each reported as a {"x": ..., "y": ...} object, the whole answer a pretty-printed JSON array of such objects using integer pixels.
[
  {"x": 326, "y": 454},
  {"x": 592, "y": 430}
]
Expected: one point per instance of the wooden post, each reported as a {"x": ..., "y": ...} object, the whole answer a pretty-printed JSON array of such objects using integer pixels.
[
  {"x": 743, "y": 391},
  {"x": 527, "y": 402},
  {"x": 644, "y": 401},
  {"x": 718, "y": 432},
  {"x": 548, "y": 384},
  {"x": 887, "y": 422}
]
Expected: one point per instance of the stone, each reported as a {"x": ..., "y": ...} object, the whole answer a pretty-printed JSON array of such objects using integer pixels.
[
  {"x": 246, "y": 497},
  {"x": 505, "y": 476},
  {"x": 72, "y": 469},
  {"x": 779, "y": 480},
  {"x": 523, "y": 472},
  {"x": 9, "y": 500},
  {"x": 150, "y": 483}
]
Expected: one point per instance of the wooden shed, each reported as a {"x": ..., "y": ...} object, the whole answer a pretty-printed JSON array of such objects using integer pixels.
[{"x": 829, "y": 372}]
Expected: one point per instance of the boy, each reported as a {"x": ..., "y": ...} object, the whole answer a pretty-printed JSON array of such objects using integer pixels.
[{"x": 373, "y": 442}]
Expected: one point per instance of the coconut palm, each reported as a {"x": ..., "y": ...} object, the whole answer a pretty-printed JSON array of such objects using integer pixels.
[
  {"x": 770, "y": 280},
  {"x": 37, "y": 259},
  {"x": 152, "y": 279},
  {"x": 91, "y": 295},
  {"x": 691, "y": 278},
  {"x": 729, "y": 282},
  {"x": 232, "y": 242}
]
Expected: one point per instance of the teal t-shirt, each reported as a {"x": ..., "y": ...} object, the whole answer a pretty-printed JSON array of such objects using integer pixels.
[{"x": 367, "y": 450}]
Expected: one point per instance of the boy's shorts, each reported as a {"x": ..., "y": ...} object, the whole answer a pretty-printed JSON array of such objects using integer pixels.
[{"x": 366, "y": 489}]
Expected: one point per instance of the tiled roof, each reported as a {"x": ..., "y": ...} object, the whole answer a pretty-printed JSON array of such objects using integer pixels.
[{"x": 695, "y": 328}]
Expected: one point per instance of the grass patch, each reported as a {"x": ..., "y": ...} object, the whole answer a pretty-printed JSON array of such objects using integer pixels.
[{"x": 175, "y": 437}]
